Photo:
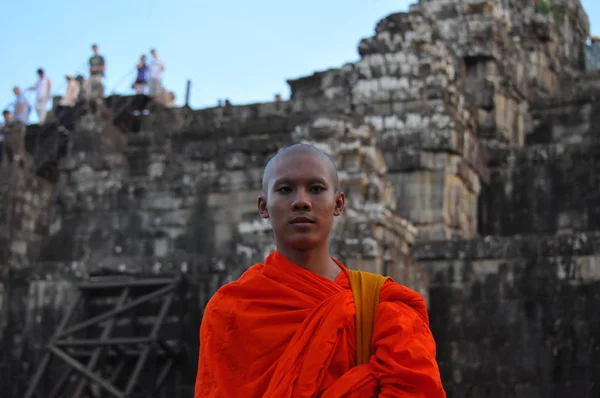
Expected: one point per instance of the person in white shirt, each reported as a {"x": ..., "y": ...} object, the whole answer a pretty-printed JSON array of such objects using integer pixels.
[
  {"x": 157, "y": 66},
  {"x": 43, "y": 93}
]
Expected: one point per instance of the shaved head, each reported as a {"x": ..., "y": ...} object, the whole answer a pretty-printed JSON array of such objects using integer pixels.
[{"x": 300, "y": 149}]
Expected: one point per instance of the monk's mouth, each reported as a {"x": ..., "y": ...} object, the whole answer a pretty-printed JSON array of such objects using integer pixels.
[{"x": 302, "y": 221}]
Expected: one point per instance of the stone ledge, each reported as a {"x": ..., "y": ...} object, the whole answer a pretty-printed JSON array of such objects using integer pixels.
[
  {"x": 493, "y": 247},
  {"x": 182, "y": 263},
  {"x": 585, "y": 87},
  {"x": 540, "y": 154}
]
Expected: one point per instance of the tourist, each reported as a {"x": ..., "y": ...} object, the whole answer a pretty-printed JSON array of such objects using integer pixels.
[
  {"x": 43, "y": 93},
  {"x": 21, "y": 107},
  {"x": 65, "y": 109},
  {"x": 94, "y": 87},
  {"x": 170, "y": 99},
  {"x": 157, "y": 67},
  {"x": 72, "y": 93},
  {"x": 287, "y": 328},
  {"x": 141, "y": 81},
  {"x": 7, "y": 116}
]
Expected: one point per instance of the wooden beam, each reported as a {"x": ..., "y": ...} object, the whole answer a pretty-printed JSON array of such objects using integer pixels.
[
  {"x": 88, "y": 285},
  {"x": 41, "y": 369},
  {"x": 79, "y": 367},
  {"x": 112, "y": 313},
  {"x": 153, "y": 335},
  {"x": 102, "y": 342},
  {"x": 103, "y": 337}
]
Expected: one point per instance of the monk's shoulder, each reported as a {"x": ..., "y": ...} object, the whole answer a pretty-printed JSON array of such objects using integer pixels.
[
  {"x": 225, "y": 296},
  {"x": 402, "y": 300}
]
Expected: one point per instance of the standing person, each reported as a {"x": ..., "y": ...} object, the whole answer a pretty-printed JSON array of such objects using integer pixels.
[
  {"x": 72, "y": 94},
  {"x": 43, "y": 92},
  {"x": 65, "y": 109},
  {"x": 293, "y": 326},
  {"x": 21, "y": 107},
  {"x": 141, "y": 81},
  {"x": 6, "y": 115},
  {"x": 94, "y": 87},
  {"x": 157, "y": 66}
]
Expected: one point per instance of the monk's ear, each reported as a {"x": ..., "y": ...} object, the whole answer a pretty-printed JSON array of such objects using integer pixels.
[
  {"x": 262, "y": 206},
  {"x": 340, "y": 203}
]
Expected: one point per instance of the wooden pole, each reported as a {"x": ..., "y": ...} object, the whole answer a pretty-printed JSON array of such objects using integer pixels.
[{"x": 187, "y": 92}]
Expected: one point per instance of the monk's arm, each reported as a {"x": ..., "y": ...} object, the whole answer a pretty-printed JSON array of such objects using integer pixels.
[
  {"x": 404, "y": 362},
  {"x": 205, "y": 377}
]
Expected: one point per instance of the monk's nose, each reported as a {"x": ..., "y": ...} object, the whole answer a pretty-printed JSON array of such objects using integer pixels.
[{"x": 302, "y": 201}]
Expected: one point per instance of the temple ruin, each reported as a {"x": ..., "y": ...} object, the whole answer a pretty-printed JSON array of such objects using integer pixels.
[{"x": 467, "y": 137}]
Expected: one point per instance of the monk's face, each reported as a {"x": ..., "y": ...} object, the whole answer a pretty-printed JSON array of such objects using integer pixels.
[{"x": 301, "y": 200}]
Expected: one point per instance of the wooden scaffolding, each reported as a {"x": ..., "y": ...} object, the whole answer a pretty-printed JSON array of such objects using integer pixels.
[{"x": 122, "y": 337}]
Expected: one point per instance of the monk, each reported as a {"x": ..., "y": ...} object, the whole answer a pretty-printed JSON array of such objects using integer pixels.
[{"x": 286, "y": 328}]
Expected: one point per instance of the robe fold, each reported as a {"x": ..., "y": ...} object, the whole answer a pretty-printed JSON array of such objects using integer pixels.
[{"x": 281, "y": 331}]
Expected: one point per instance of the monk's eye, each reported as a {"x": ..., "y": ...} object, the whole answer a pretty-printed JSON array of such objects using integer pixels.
[
  {"x": 283, "y": 190},
  {"x": 317, "y": 189}
]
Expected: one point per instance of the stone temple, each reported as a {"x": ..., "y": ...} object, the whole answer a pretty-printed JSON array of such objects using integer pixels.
[{"x": 468, "y": 141}]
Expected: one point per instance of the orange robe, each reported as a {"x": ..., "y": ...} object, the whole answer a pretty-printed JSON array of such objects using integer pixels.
[{"x": 281, "y": 331}]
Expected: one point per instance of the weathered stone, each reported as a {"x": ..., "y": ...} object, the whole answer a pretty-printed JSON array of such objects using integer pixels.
[
  {"x": 502, "y": 301},
  {"x": 543, "y": 189}
]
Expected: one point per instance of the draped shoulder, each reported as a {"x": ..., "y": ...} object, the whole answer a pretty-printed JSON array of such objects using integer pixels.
[
  {"x": 280, "y": 331},
  {"x": 277, "y": 330},
  {"x": 404, "y": 360}
]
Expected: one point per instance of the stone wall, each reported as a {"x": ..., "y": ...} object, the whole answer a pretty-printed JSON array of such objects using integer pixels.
[
  {"x": 571, "y": 117},
  {"x": 25, "y": 204},
  {"x": 545, "y": 187},
  {"x": 516, "y": 317},
  {"x": 34, "y": 301},
  {"x": 543, "y": 190}
]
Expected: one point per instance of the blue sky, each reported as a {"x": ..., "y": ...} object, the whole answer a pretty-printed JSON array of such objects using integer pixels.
[{"x": 242, "y": 50}]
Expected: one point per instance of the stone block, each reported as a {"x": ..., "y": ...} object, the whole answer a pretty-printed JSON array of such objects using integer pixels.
[
  {"x": 440, "y": 201},
  {"x": 542, "y": 190}
]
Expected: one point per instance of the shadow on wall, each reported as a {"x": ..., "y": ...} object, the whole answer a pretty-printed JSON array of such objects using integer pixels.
[
  {"x": 198, "y": 238},
  {"x": 516, "y": 317}
]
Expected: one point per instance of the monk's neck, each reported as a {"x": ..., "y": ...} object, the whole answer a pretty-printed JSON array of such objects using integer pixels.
[{"x": 317, "y": 261}]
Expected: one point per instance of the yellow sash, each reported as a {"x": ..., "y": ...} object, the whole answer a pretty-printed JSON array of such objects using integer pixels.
[{"x": 365, "y": 288}]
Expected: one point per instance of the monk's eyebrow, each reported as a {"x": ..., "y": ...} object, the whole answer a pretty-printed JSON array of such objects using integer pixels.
[
  {"x": 313, "y": 180},
  {"x": 318, "y": 180},
  {"x": 281, "y": 180}
]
